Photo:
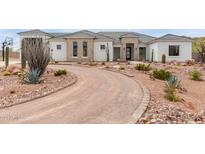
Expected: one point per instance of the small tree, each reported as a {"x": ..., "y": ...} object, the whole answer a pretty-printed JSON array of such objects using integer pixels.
[
  {"x": 37, "y": 54},
  {"x": 201, "y": 51}
]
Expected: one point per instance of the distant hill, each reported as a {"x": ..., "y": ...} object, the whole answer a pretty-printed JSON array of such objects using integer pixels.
[{"x": 195, "y": 43}]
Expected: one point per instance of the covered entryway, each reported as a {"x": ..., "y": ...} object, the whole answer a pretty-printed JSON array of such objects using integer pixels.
[
  {"x": 116, "y": 55},
  {"x": 142, "y": 53},
  {"x": 130, "y": 51}
]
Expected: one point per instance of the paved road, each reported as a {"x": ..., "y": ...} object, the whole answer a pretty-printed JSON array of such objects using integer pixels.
[{"x": 99, "y": 96}]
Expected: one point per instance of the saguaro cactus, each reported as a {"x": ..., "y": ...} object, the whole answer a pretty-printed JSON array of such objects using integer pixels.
[
  {"x": 152, "y": 58},
  {"x": 23, "y": 60},
  {"x": 163, "y": 58},
  {"x": 7, "y": 57},
  {"x": 23, "y": 56}
]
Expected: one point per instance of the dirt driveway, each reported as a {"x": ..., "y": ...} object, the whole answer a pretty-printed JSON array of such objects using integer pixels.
[{"x": 98, "y": 97}]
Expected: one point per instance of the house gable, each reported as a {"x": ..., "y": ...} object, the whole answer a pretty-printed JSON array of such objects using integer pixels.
[
  {"x": 80, "y": 34},
  {"x": 171, "y": 38},
  {"x": 35, "y": 32}
]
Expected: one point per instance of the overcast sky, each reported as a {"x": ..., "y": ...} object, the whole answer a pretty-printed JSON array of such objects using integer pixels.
[{"x": 153, "y": 32}]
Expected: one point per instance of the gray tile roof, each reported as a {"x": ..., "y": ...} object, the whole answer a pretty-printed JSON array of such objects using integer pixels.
[
  {"x": 88, "y": 33},
  {"x": 35, "y": 31},
  {"x": 117, "y": 35},
  {"x": 59, "y": 34},
  {"x": 172, "y": 37},
  {"x": 114, "y": 36}
]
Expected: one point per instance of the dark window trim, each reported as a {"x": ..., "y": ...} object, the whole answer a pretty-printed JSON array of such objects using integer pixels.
[
  {"x": 75, "y": 42},
  {"x": 174, "y": 50},
  {"x": 58, "y": 45},
  {"x": 85, "y": 49},
  {"x": 102, "y": 47}
]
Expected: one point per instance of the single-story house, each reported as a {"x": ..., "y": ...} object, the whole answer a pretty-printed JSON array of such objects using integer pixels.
[{"x": 125, "y": 46}]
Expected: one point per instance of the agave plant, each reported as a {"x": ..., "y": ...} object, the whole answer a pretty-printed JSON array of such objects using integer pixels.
[
  {"x": 33, "y": 76},
  {"x": 173, "y": 82}
]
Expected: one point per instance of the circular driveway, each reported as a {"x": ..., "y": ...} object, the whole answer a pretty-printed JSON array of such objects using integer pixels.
[{"x": 99, "y": 96}]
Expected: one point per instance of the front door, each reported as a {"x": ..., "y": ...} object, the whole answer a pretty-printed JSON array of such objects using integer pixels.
[{"x": 128, "y": 53}]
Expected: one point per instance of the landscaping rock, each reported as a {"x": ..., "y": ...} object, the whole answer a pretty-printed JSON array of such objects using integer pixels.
[{"x": 25, "y": 92}]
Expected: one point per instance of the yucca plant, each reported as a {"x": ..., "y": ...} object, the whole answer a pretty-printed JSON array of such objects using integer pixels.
[
  {"x": 173, "y": 82},
  {"x": 33, "y": 76}
]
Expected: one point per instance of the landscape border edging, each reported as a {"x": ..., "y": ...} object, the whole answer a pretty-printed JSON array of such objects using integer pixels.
[
  {"x": 74, "y": 80},
  {"x": 145, "y": 99}
]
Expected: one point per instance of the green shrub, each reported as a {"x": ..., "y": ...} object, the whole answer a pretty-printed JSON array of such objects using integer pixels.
[
  {"x": 143, "y": 67},
  {"x": 171, "y": 94},
  {"x": 173, "y": 82},
  {"x": 33, "y": 76},
  {"x": 161, "y": 74},
  {"x": 60, "y": 72},
  {"x": 195, "y": 75}
]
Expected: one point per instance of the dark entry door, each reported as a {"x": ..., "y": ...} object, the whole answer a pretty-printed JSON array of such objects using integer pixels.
[{"x": 128, "y": 53}]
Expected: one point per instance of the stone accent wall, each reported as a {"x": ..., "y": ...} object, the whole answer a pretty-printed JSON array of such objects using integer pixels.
[
  {"x": 124, "y": 41},
  {"x": 80, "y": 57}
]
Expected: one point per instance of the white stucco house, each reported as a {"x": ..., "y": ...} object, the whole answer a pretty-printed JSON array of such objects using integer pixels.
[{"x": 125, "y": 46}]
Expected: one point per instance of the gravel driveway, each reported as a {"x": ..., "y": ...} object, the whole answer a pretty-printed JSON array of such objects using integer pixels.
[{"x": 99, "y": 96}]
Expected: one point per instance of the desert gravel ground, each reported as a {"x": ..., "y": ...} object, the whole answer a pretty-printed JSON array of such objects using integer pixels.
[{"x": 99, "y": 96}]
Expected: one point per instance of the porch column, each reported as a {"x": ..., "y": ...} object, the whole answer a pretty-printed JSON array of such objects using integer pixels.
[
  {"x": 122, "y": 53},
  {"x": 136, "y": 52}
]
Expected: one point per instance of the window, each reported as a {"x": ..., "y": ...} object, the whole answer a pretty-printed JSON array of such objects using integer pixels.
[
  {"x": 58, "y": 47},
  {"x": 174, "y": 50},
  {"x": 85, "y": 49},
  {"x": 102, "y": 47},
  {"x": 75, "y": 49}
]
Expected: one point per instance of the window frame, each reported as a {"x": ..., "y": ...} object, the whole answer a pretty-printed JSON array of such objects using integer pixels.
[
  {"x": 173, "y": 53},
  {"x": 85, "y": 56},
  {"x": 75, "y": 56},
  {"x": 58, "y": 46},
  {"x": 102, "y": 45}
]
